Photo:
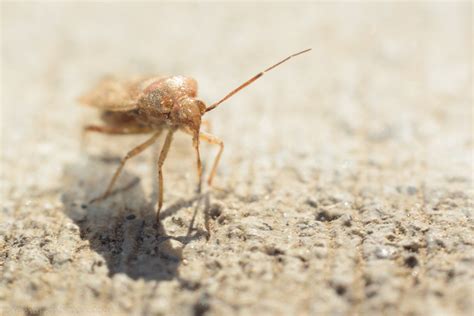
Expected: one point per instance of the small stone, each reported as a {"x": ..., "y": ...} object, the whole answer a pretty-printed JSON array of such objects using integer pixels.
[{"x": 384, "y": 252}]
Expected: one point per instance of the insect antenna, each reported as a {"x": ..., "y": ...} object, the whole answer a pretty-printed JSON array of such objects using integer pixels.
[{"x": 246, "y": 83}]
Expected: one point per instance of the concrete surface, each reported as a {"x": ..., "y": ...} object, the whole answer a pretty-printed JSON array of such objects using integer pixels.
[{"x": 345, "y": 187}]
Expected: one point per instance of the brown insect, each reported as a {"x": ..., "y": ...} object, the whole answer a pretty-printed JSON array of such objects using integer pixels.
[{"x": 152, "y": 104}]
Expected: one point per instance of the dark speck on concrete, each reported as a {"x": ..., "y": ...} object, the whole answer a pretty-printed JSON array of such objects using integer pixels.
[{"x": 411, "y": 261}]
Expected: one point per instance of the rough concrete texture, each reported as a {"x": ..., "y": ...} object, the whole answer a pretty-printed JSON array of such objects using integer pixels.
[{"x": 345, "y": 187}]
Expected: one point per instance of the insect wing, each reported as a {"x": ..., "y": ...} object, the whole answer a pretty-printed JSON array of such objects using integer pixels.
[{"x": 113, "y": 94}]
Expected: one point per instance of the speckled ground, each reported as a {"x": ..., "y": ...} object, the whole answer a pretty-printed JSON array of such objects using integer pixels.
[{"x": 345, "y": 187}]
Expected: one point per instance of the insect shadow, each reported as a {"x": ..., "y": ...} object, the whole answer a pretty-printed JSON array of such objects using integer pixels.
[{"x": 123, "y": 229}]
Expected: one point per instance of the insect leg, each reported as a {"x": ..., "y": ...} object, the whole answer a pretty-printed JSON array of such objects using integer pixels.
[
  {"x": 217, "y": 141},
  {"x": 135, "y": 151},
  {"x": 112, "y": 130},
  {"x": 198, "y": 160},
  {"x": 115, "y": 130},
  {"x": 161, "y": 160},
  {"x": 207, "y": 124}
]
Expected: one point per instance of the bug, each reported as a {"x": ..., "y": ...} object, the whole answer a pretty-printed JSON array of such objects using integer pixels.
[{"x": 150, "y": 105}]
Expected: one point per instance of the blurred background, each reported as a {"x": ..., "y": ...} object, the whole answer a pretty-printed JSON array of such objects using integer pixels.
[
  {"x": 405, "y": 58},
  {"x": 345, "y": 186}
]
